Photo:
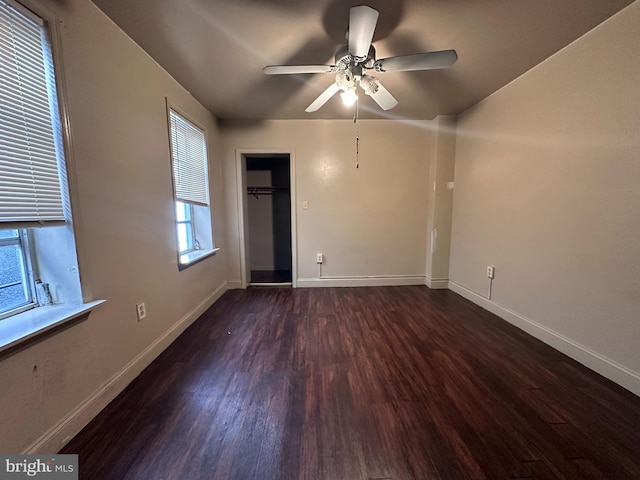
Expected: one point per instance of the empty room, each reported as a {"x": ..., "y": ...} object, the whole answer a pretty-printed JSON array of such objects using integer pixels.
[{"x": 328, "y": 240}]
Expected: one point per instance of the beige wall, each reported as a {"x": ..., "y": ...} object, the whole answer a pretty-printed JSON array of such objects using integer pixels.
[
  {"x": 546, "y": 189},
  {"x": 368, "y": 221},
  {"x": 441, "y": 173},
  {"x": 116, "y": 97}
]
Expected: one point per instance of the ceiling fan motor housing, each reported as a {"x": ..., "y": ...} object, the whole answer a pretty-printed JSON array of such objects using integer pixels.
[{"x": 343, "y": 57}]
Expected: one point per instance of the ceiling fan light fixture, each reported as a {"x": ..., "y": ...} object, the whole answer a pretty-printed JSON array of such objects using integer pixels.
[
  {"x": 345, "y": 80},
  {"x": 349, "y": 97},
  {"x": 369, "y": 84}
]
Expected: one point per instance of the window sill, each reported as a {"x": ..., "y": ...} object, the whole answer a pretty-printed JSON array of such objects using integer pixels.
[
  {"x": 190, "y": 258},
  {"x": 33, "y": 324}
]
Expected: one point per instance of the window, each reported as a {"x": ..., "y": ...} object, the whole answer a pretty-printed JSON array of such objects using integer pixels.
[
  {"x": 190, "y": 188},
  {"x": 16, "y": 288},
  {"x": 31, "y": 155},
  {"x": 38, "y": 262},
  {"x": 186, "y": 235}
]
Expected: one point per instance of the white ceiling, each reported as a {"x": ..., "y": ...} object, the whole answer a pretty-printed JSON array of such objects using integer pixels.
[{"x": 216, "y": 48}]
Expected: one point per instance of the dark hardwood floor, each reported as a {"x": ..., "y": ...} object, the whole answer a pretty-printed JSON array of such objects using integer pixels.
[{"x": 392, "y": 383}]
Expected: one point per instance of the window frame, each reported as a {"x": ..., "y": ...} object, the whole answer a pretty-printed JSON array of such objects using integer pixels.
[
  {"x": 199, "y": 252},
  {"x": 59, "y": 132}
]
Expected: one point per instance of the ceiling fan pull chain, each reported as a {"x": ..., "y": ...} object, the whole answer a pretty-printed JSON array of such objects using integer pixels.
[{"x": 355, "y": 120}]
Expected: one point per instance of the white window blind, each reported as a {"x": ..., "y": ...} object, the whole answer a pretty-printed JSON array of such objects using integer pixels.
[
  {"x": 31, "y": 161},
  {"x": 189, "y": 161}
]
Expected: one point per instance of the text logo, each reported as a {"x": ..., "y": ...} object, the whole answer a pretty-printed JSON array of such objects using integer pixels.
[{"x": 50, "y": 467}]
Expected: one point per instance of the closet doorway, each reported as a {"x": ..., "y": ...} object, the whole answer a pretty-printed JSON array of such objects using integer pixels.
[{"x": 267, "y": 211}]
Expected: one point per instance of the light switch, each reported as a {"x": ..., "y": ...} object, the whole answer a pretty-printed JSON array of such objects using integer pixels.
[{"x": 305, "y": 205}]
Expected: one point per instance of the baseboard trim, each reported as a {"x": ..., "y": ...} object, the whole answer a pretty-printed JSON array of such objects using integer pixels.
[
  {"x": 437, "y": 283},
  {"x": 372, "y": 281},
  {"x": 597, "y": 362},
  {"x": 60, "y": 434}
]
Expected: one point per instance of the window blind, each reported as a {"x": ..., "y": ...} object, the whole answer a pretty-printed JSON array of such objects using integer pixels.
[
  {"x": 31, "y": 159},
  {"x": 189, "y": 161}
]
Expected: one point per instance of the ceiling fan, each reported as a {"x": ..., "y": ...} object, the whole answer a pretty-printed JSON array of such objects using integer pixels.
[{"x": 355, "y": 60}]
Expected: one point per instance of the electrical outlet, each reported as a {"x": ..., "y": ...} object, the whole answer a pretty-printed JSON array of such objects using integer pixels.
[
  {"x": 141, "y": 311},
  {"x": 491, "y": 271},
  {"x": 318, "y": 258}
]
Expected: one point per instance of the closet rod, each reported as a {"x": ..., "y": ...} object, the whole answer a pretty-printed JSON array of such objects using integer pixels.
[{"x": 255, "y": 191}]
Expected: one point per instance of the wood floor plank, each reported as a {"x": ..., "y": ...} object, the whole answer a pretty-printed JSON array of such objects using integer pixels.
[{"x": 384, "y": 383}]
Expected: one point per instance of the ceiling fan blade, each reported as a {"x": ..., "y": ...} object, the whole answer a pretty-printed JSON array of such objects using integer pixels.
[
  {"x": 323, "y": 98},
  {"x": 418, "y": 61},
  {"x": 362, "y": 24},
  {"x": 292, "y": 69},
  {"x": 383, "y": 98}
]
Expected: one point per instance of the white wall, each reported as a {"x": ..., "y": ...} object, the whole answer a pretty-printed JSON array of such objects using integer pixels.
[
  {"x": 368, "y": 221},
  {"x": 546, "y": 175},
  {"x": 126, "y": 241}
]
